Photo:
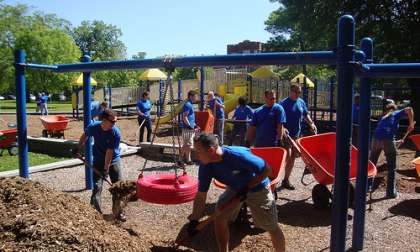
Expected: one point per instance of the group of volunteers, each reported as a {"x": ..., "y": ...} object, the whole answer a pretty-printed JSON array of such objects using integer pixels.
[{"x": 244, "y": 174}]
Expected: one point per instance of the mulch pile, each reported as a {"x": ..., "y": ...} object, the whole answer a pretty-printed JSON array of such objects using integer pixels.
[{"x": 34, "y": 217}]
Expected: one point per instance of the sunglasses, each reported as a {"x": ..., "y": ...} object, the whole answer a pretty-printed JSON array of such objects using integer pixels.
[{"x": 111, "y": 121}]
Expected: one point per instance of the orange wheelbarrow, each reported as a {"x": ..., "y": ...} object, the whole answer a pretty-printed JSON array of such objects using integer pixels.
[
  {"x": 318, "y": 154},
  {"x": 54, "y": 125},
  {"x": 8, "y": 141}
]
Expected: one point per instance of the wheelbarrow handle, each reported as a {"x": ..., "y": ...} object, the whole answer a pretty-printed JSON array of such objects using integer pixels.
[
  {"x": 94, "y": 170},
  {"x": 292, "y": 143}
]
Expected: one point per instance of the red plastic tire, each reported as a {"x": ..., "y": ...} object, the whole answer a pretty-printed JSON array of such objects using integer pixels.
[{"x": 164, "y": 189}]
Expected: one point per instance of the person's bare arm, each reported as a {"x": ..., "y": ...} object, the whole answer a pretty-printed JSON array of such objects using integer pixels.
[
  {"x": 410, "y": 114},
  {"x": 219, "y": 105},
  {"x": 82, "y": 142},
  {"x": 185, "y": 119},
  {"x": 311, "y": 124},
  {"x": 108, "y": 159},
  {"x": 280, "y": 131},
  {"x": 198, "y": 206}
]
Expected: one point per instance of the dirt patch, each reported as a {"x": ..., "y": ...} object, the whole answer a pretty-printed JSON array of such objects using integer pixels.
[
  {"x": 34, "y": 217},
  {"x": 406, "y": 175}
]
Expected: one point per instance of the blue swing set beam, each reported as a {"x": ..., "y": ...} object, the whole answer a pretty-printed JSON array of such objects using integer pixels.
[{"x": 349, "y": 62}]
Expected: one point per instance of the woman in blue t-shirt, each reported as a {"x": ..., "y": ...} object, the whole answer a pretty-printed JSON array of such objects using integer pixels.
[
  {"x": 242, "y": 115},
  {"x": 143, "y": 110},
  {"x": 384, "y": 139}
]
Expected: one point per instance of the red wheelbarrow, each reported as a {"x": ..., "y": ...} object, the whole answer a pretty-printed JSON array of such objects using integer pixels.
[
  {"x": 318, "y": 154},
  {"x": 275, "y": 157},
  {"x": 8, "y": 141},
  {"x": 54, "y": 125},
  {"x": 416, "y": 140}
]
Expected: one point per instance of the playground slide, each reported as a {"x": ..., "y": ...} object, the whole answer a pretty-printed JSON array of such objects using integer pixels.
[{"x": 168, "y": 117}]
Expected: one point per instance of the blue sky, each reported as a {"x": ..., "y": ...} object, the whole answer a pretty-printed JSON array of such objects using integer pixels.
[{"x": 176, "y": 27}]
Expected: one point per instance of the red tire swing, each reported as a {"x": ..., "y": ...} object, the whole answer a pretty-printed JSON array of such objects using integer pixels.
[{"x": 166, "y": 188}]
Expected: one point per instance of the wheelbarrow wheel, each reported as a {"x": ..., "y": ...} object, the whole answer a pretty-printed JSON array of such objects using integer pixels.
[
  {"x": 13, "y": 150},
  {"x": 321, "y": 196}
]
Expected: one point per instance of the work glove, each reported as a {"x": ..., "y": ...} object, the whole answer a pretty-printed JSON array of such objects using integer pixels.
[{"x": 192, "y": 227}]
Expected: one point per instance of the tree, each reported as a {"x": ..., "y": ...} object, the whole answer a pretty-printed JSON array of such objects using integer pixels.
[
  {"x": 45, "y": 40},
  {"x": 100, "y": 40}
]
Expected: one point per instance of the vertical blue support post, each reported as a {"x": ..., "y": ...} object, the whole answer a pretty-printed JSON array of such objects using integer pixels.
[
  {"x": 104, "y": 91},
  {"x": 86, "y": 121},
  {"x": 77, "y": 103},
  {"x": 305, "y": 90},
  {"x": 345, "y": 76},
  {"x": 201, "y": 88},
  {"x": 161, "y": 101},
  {"x": 110, "y": 95},
  {"x": 362, "y": 162},
  {"x": 331, "y": 101},
  {"x": 179, "y": 97},
  {"x": 20, "y": 83},
  {"x": 315, "y": 106}
]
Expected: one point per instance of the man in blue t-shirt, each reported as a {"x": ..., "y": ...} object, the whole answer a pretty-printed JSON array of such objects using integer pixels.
[
  {"x": 246, "y": 178},
  {"x": 43, "y": 104},
  {"x": 144, "y": 119},
  {"x": 96, "y": 109},
  {"x": 267, "y": 125},
  {"x": 188, "y": 125},
  {"x": 215, "y": 104},
  {"x": 296, "y": 110},
  {"x": 242, "y": 116},
  {"x": 106, "y": 156},
  {"x": 384, "y": 139}
]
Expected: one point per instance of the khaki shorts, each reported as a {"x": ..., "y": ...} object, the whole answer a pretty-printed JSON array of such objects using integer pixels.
[
  {"x": 262, "y": 205},
  {"x": 188, "y": 137}
]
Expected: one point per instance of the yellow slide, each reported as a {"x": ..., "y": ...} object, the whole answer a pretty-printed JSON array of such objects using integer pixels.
[{"x": 168, "y": 117}]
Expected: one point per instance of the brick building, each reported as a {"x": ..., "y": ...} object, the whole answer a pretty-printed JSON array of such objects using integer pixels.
[{"x": 245, "y": 46}]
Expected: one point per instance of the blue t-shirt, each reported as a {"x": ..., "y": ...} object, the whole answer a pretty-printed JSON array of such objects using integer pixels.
[
  {"x": 237, "y": 168},
  {"x": 43, "y": 99},
  {"x": 220, "y": 113},
  {"x": 294, "y": 110},
  {"x": 144, "y": 106},
  {"x": 188, "y": 107},
  {"x": 95, "y": 109},
  {"x": 388, "y": 126},
  {"x": 243, "y": 112},
  {"x": 104, "y": 140},
  {"x": 266, "y": 119},
  {"x": 355, "y": 113}
]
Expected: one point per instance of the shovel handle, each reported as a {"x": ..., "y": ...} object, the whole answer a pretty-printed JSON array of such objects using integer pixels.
[{"x": 94, "y": 170}]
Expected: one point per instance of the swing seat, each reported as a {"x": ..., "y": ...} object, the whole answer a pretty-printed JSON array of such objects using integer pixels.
[{"x": 166, "y": 189}]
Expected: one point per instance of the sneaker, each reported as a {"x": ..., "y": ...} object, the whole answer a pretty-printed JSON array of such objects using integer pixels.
[
  {"x": 286, "y": 185},
  {"x": 121, "y": 217}
]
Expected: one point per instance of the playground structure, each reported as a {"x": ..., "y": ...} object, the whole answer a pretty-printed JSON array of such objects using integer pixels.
[{"x": 349, "y": 62}]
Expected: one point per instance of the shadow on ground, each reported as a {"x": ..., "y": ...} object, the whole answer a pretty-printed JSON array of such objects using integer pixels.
[
  {"x": 303, "y": 214},
  {"x": 409, "y": 208}
]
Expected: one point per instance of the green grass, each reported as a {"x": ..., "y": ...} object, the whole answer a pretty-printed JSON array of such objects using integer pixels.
[
  {"x": 8, "y": 162},
  {"x": 10, "y": 106}
]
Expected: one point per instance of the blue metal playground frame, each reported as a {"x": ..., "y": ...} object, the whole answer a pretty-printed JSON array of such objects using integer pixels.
[{"x": 349, "y": 62}]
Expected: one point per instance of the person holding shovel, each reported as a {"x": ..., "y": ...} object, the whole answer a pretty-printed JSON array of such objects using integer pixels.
[
  {"x": 246, "y": 178},
  {"x": 384, "y": 139},
  {"x": 106, "y": 157},
  {"x": 143, "y": 111},
  {"x": 296, "y": 110}
]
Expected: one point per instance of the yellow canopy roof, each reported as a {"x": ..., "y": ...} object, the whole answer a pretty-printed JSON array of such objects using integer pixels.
[
  {"x": 299, "y": 79},
  {"x": 264, "y": 73},
  {"x": 153, "y": 74},
  {"x": 79, "y": 81}
]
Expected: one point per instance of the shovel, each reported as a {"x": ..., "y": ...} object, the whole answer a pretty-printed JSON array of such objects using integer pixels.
[{"x": 93, "y": 169}]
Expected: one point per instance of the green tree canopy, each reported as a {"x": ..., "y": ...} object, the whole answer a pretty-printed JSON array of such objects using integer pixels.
[{"x": 45, "y": 39}]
